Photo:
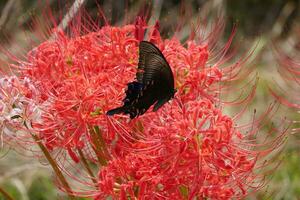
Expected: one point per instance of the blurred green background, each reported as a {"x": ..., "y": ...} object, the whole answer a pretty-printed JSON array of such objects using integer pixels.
[{"x": 264, "y": 24}]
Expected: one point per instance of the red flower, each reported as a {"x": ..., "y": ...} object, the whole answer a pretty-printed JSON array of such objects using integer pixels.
[
  {"x": 80, "y": 77},
  {"x": 188, "y": 148}
]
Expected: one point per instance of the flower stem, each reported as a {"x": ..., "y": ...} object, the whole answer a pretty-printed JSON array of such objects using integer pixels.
[
  {"x": 101, "y": 141},
  {"x": 99, "y": 145},
  {"x": 87, "y": 167},
  {"x": 5, "y": 194},
  {"x": 54, "y": 166}
]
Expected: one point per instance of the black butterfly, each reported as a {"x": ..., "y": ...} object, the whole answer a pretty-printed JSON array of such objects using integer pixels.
[{"x": 154, "y": 85}]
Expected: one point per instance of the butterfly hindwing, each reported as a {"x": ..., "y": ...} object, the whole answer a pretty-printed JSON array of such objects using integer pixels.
[{"x": 133, "y": 91}]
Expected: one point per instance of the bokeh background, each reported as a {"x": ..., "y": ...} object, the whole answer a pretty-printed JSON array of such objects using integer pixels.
[{"x": 270, "y": 28}]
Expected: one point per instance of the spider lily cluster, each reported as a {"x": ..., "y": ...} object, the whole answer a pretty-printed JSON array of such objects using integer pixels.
[{"x": 188, "y": 149}]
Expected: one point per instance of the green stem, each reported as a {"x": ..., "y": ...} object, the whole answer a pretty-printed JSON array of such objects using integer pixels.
[
  {"x": 54, "y": 166},
  {"x": 5, "y": 194},
  {"x": 87, "y": 167},
  {"x": 97, "y": 147},
  {"x": 101, "y": 141}
]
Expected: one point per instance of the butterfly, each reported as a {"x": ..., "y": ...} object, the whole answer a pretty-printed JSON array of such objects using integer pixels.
[{"x": 154, "y": 83}]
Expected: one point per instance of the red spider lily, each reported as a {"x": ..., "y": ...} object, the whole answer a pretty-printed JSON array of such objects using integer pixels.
[
  {"x": 81, "y": 78},
  {"x": 188, "y": 149}
]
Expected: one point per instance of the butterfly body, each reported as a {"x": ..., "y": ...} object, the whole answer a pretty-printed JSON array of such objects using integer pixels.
[{"x": 154, "y": 85}]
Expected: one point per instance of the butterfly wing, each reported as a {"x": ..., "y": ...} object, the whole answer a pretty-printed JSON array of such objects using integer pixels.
[
  {"x": 156, "y": 75},
  {"x": 158, "y": 78},
  {"x": 155, "y": 83},
  {"x": 133, "y": 90},
  {"x": 145, "y": 48},
  {"x": 152, "y": 65},
  {"x": 132, "y": 93}
]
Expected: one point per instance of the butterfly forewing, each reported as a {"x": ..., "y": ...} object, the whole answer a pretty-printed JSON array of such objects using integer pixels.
[
  {"x": 157, "y": 71},
  {"x": 150, "y": 58},
  {"x": 145, "y": 49}
]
